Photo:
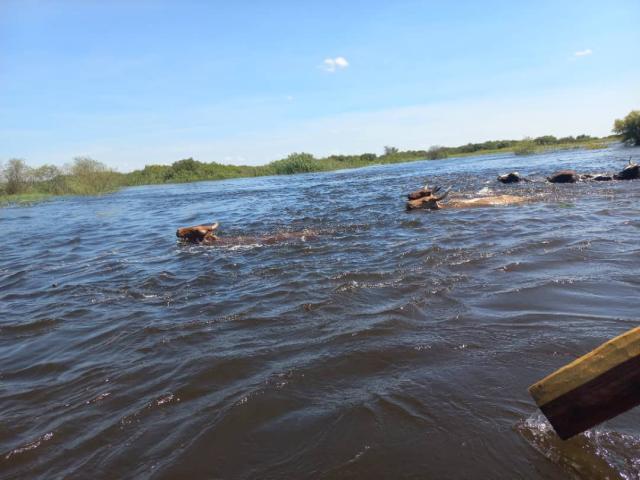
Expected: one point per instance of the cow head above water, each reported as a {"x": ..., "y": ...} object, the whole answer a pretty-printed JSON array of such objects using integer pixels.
[
  {"x": 630, "y": 172},
  {"x": 429, "y": 199},
  {"x": 197, "y": 233}
]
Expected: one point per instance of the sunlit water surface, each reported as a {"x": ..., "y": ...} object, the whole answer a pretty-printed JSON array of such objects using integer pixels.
[{"x": 392, "y": 345}]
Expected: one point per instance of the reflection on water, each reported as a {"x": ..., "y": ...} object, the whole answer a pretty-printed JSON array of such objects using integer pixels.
[{"x": 392, "y": 345}]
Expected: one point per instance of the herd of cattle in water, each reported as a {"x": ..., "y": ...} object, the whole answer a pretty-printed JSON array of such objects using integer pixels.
[
  {"x": 425, "y": 198},
  {"x": 630, "y": 172},
  {"x": 430, "y": 198}
]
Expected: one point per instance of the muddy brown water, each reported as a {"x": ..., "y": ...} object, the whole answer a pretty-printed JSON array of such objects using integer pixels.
[{"x": 393, "y": 345}]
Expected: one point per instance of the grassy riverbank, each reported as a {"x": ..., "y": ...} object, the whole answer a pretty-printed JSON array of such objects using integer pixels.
[
  {"x": 190, "y": 170},
  {"x": 23, "y": 198},
  {"x": 20, "y": 184}
]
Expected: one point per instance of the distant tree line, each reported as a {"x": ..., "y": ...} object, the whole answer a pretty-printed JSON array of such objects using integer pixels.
[
  {"x": 493, "y": 145},
  {"x": 85, "y": 176}
]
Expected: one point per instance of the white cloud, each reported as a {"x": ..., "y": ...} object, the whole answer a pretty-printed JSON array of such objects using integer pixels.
[
  {"x": 583, "y": 53},
  {"x": 331, "y": 65},
  {"x": 341, "y": 62}
]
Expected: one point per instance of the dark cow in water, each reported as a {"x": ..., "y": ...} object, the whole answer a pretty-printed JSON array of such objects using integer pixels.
[
  {"x": 512, "y": 177},
  {"x": 564, "y": 176},
  {"x": 630, "y": 172}
]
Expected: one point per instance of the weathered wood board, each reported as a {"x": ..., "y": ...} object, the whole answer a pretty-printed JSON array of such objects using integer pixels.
[{"x": 596, "y": 387}]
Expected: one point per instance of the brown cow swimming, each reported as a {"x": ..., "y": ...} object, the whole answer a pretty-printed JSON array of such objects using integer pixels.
[
  {"x": 198, "y": 233},
  {"x": 431, "y": 199},
  {"x": 205, "y": 234}
]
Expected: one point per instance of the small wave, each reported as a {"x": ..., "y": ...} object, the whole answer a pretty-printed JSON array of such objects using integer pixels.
[
  {"x": 161, "y": 401},
  {"x": 596, "y": 453},
  {"x": 36, "y": 326},
  {"x": 29, "y": 446},
  {"x": 250, "y": 246},
  {"x": 98, "y": 398}
]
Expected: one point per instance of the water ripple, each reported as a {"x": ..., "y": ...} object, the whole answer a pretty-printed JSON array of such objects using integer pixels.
[{"x": 392, "y": 345}]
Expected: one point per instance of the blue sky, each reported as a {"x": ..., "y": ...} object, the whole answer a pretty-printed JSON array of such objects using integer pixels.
[{"x": 136, "y": 82}]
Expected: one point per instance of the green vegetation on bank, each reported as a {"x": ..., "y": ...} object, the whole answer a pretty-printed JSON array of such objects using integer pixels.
[
  {"x": 629, "y": 128},
  {"x": 20, "y": 183},
  {"x": 23, "y": 198},
  {"x": 190, "y": 170},
  {"x": 531, "y": 146}
]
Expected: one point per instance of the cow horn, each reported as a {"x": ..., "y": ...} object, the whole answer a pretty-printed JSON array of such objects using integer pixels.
[{"x": 444, "y": 195}]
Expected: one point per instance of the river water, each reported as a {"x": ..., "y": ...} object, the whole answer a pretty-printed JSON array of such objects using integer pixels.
[{"x": 392, "y": 345}]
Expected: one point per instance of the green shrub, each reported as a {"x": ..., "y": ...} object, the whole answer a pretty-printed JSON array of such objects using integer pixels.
[
  {"x": 525, "y": 147},
  {"x": 436, "y": 153},
  {"x": 629, "y": 128},
  {"x": 16, "y": 176},
  {"x": 295, "y": 163}
]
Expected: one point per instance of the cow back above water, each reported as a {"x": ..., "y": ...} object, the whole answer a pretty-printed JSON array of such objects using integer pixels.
[
  {"x": 564, "y": 176},
  {"x": 630, "y": 172},
  {"x": 512, "y": 177}
]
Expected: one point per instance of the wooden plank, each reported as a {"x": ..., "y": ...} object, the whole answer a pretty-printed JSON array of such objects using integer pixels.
[{"x": 596, "y": 387}]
